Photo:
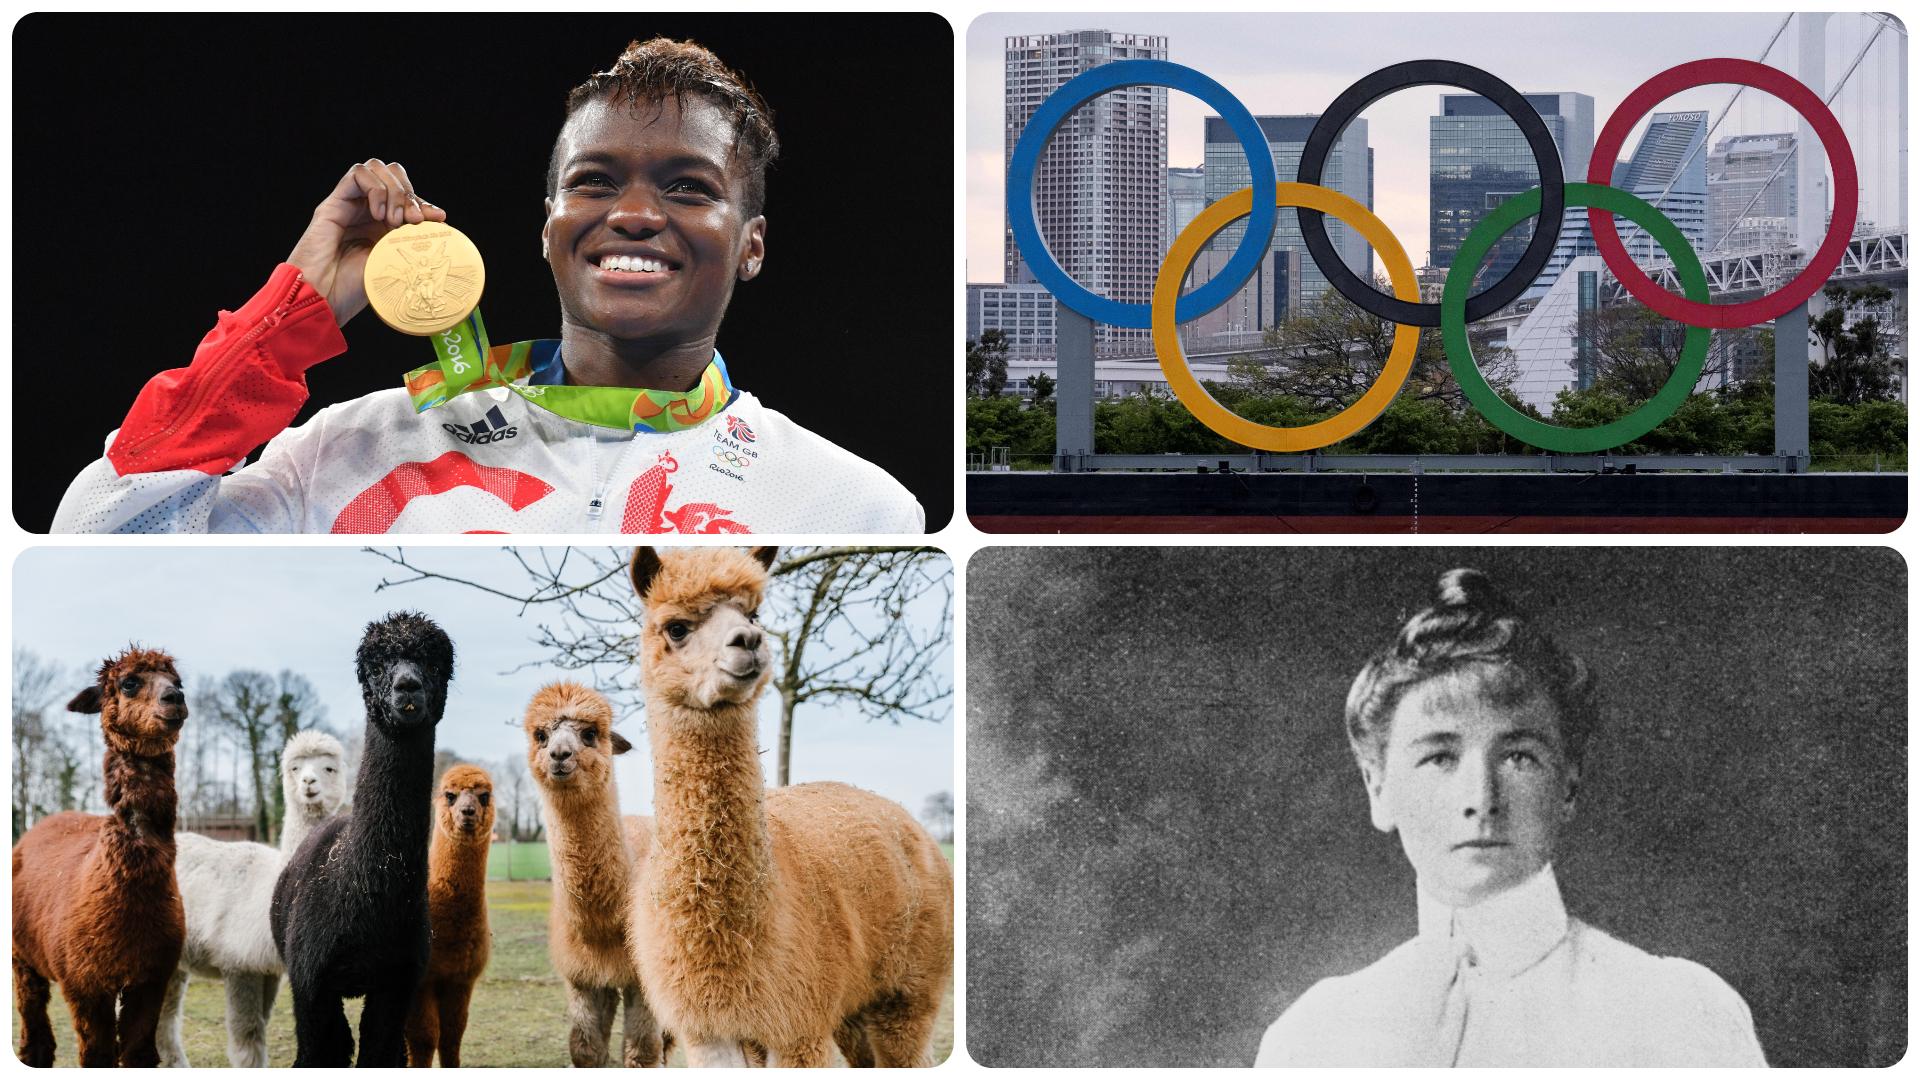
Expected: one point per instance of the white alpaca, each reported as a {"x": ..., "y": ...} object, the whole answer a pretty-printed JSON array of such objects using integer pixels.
[{"x": 227, "y": 889}]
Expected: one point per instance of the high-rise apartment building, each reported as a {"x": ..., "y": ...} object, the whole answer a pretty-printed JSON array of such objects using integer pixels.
[
  {"x": 1479, "y": 159},
  {"x": 1744, "y": 210},
  {"x": 1100, "y": 192},
  {"x": 1274, "y": 293}
]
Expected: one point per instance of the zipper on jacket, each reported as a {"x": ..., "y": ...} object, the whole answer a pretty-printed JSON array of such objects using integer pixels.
[{"x": 204, "y": 386}]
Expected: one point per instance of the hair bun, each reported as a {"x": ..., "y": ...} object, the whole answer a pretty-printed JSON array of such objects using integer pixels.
[{"x": 1464, "y": 588}]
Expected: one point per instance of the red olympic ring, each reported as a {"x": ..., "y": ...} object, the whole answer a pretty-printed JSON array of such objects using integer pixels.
[{"x": 1846, "y": 191}]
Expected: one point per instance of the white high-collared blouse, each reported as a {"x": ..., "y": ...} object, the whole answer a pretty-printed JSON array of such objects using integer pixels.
[{"x": 1516, "y": 981}]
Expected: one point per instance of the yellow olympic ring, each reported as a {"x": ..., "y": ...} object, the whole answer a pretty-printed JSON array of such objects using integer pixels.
[{"x": 1166, "y": 341}]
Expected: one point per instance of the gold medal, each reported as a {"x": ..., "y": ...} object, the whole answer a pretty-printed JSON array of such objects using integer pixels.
[{"x": 422, "y": 279}]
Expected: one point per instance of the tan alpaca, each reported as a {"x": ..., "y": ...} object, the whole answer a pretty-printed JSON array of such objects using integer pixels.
[
  {"x": 794, "y": 918},
  {"x": 457, "y": 915},
  {"x": 570, "y": 749}
]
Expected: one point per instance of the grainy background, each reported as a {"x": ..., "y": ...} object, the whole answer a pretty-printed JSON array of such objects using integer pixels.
[{"x": 1167, "y": 840}]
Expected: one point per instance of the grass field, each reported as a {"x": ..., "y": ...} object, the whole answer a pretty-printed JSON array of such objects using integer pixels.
[
  {"x": 519, "y": 1009},
  {"x": 518, "y": 861}
]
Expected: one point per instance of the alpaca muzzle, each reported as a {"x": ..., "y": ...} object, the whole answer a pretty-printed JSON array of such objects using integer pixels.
[{"x": 407, "y": 694}]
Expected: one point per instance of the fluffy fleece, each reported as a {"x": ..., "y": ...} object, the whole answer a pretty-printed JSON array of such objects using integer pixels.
[
  {"x": 227, "y": 888},
  {"x": 95, "y": 907},
  {"x": 570, "y": 749},
  {"x": 793, "y": 919},
  {"x": 350, "y": 909},
  {"x": 457, "y": 912}
]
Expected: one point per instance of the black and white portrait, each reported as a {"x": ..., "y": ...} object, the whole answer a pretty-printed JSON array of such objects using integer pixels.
[{"x": 1432, "y": 806}]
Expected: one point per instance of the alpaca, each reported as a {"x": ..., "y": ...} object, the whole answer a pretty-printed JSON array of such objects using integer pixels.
[
  {"x": 227, "y": 888},
  {"x": 350, "y": 909},
  {"x": 791, "y": 919},
  {"x": 570, "y": 749},
  {"x": 95, "y": 907},
  {"x": 457, "y": 913}
]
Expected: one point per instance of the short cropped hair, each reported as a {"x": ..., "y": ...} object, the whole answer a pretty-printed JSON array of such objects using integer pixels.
[
  {"x": 652, "y": 71},
  {"x": 1471, "y": 629}
]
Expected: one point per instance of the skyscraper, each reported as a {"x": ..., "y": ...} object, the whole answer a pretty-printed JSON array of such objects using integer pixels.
[
  {"x": 1186, "y": 197},
  {"x": 1479, "y": 159},
  {"x": 1737, "y": 171},
  {"x": 1100, "y": 192},
  {"x": 1668, "y": 169},
  {"x": 1349, "y": 170}
]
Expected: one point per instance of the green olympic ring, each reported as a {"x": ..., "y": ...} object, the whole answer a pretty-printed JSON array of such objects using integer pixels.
[{"x": 1453, "y": 323}]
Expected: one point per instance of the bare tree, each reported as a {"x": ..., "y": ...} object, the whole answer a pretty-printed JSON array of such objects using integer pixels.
[
  {"x": 51, "y": 751},
  {"x": 937, "y": 814},
  {"x": 243, "y": 707},
  {"x": 1635, "y": 349},
  {"x": 514, "y": 798},
  {"x": 847, "y": 626},
  {"x": 296, "y": 708}
]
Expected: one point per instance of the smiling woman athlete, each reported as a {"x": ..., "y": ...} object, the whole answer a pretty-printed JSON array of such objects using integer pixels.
[
  {"x": 653, "y": 211},
  {"x": 1470, "y": 732}
]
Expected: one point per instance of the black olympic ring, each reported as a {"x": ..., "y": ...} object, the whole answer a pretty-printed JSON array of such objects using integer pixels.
[{"x": 1546, "y": 157}]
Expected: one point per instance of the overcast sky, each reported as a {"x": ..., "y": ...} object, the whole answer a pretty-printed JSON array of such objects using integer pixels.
[
  {"x": 226, "y": 608},
  {"x": 1297, "y": 64}
]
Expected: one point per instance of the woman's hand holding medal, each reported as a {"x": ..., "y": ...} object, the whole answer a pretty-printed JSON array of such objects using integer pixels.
[{"x": 371, "y": 200}]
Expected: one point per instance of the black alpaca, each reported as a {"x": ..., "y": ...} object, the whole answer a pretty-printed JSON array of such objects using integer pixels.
[{"x": 350, "y": 909}]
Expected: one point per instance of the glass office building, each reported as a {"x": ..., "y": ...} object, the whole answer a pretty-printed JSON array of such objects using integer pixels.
[
  {"x": 1479, "y": 159},
  {"x": 1275, "y": 292}
]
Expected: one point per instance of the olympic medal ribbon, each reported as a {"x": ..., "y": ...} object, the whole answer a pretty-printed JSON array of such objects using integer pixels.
[
  {"x": 1453, "y": 324},
  {"x": 1024, "y": 223},
  {"x": 460, "y": 369},
  {"x": 1846, "y": 192},
  {"x": 1166, "y": 337},
  {"x": 1546, "y": 160}
]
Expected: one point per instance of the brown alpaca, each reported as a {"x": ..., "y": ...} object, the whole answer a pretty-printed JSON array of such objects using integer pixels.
[
  {"x": 793, "y": 919},
  {"x": 457, "y": 914},
  {"x": 95, "y": 907},
  {"x": 570, "y": 749}
]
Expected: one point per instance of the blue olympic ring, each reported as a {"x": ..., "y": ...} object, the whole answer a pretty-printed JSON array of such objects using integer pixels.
[{"x": 1054, "y": 111}]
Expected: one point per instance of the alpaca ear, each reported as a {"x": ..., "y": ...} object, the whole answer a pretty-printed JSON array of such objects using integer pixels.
[
  {"x": 620, "y": 743},
  {"x": 764, "y": 556},
  {"x": 86, "y": 701},
  {"x": 646, "y": 565}
]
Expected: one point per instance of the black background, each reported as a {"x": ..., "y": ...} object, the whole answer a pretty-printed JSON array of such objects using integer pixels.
[
  {"x": 1168, "y": 841},
  {"x": 163, "y": 166}
]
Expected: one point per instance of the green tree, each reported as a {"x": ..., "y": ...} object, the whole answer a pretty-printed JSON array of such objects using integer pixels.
[
  {"x": 987, "y": 364},
  {"x": 1859, "y": 364},
  {"x": 1332, "y": 352},
  {"x": 1042, "y": 386}
]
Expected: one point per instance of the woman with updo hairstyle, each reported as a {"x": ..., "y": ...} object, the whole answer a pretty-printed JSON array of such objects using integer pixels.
[{"x": 1470, "y": 731}]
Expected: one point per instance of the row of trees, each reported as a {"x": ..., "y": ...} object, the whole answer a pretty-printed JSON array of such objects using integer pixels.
[
  {"x": 1323, "y": 359},
  {"x": 226, "y": 762},
  {"x": 869, "y": 628}
]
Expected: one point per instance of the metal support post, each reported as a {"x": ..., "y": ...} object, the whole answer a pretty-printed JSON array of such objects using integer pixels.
[{"x": 1073, "y": 393}]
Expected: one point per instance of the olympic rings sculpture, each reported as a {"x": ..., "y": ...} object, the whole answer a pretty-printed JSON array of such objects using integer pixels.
[{"x": 1260, "y": 204}]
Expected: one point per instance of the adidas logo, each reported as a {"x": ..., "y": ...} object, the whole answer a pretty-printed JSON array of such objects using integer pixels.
[{"x": 490, "y": 428}]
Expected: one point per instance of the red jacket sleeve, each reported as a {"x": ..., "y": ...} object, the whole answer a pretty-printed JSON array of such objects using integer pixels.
[{"x": 246, "y": 383}]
